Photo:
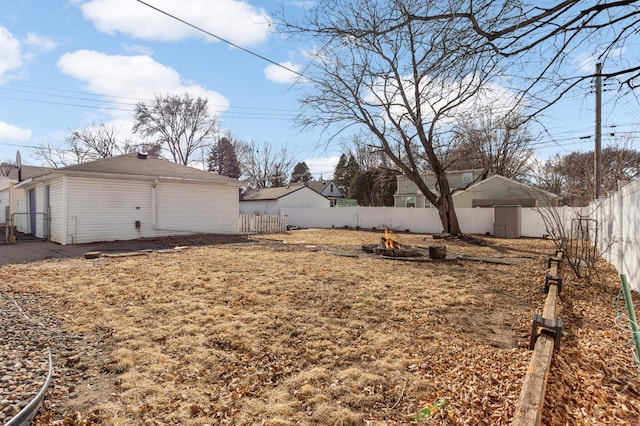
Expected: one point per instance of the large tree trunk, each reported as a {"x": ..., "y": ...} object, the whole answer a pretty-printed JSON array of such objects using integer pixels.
[{"x": 448, "y": 216}]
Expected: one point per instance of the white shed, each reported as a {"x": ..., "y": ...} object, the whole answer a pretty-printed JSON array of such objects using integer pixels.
[
  {"x": 129, "y": 197},
  {"x": 269, "y": 201}
]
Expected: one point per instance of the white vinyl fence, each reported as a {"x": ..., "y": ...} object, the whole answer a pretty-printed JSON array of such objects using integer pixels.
[
  {"x": 618, "y": 223},
  {"x": 472, "y": 220}
]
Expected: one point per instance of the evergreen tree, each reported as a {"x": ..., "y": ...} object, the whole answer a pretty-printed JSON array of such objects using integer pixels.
[
  {"x": 223, "y": 159},
  {"x": 346, "y": 169},
  {"x": 374, "y": 188},
  {"x": 301, "y": 173}
]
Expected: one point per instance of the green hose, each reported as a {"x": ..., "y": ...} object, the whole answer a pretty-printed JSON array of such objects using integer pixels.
[{"x": 632, "y": 314}]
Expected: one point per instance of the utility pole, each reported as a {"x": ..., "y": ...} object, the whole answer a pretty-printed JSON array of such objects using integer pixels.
[{"x": 598, "y": 147}]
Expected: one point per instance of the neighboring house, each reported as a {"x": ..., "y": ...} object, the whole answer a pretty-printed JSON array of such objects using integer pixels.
[
  {"x": 326, "y": 188},
  {"x": 269, "y": 201},
  {"x": 408, "y": 195},
  {"x": 128, "y": 197},
  {"x": 494, "y": 190},
  {"x": 13, "y": 200},
  {"x": 498, "y": 190}
]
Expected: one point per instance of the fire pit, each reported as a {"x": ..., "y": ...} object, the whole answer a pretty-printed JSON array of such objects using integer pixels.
[{"x": 392, "y": 248}]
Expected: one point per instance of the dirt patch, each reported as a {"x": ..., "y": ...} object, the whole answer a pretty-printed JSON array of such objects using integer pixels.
[{"x": 305, "y": 328}]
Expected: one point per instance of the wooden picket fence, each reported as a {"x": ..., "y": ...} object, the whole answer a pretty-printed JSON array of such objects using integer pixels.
[{"x": 261, "y": 224}]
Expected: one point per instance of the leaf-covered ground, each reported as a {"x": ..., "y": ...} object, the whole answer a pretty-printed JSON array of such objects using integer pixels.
[{"x": 304, "y": 328}]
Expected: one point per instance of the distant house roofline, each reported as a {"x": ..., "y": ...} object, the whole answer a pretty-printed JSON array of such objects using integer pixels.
[{"x": 266, "y": 194}]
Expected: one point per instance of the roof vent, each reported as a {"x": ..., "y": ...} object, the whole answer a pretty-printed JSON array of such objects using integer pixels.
[{"x": 143, "y": 155}]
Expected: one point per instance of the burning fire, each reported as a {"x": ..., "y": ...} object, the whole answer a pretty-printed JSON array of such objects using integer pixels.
[{"x": 389, "y": 242}]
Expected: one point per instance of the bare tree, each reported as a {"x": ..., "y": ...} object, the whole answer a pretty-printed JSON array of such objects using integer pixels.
[
  {"x": 181, "y": 124},
  {"x": 6, "y": 167},
  {"x": 366, "y": 153},
  {"x": 572, "y": 175},
  {"x": 263, "y": 165},
  {"x": 536, "y": 42},
  {"x": 498, "y": 143},
  {"x": 405, "y": 86},
  {"x": 403, "y": 69},
  {"x": 86, "y": 144}
]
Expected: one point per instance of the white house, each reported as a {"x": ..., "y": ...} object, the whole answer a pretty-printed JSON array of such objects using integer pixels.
[
  {"x": 13, "y": 201},
  {"x": 128, "y": 197},
  {"x": 269, "y": 201},
  {"x": 326, "y": 188}
]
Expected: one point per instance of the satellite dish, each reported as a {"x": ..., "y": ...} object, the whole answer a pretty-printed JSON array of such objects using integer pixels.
[{"x": 19, "y": 165}]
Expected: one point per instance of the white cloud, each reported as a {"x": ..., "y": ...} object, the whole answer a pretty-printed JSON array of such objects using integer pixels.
[
  {"x": 303, "y": 4},
  {"x": 138, "y": 49},
  {"x": 10, "y": 132},
  {"x": 10, "y": 57},
  {"x": 132, "y": 77},
  {"x": 587, "y": 62},
  {"x": 233, "y": 20},
  {"x": 278, "y": 74},
  {"x": 40, "y": 42},
  {"x": 322, "y": 166}
]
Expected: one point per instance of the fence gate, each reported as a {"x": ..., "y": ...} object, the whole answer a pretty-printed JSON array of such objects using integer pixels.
[{"x": 28, "y": 226}]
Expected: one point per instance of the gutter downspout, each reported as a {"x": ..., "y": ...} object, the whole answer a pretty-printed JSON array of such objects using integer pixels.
[{"x": 154, "y": 204}]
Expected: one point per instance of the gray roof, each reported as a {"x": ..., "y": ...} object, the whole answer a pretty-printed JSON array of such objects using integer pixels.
[
  {"x": 270, "y": 193},
  {"x": 318, "y": 185},
  {"x": 28, "y": 172},
  {"x": 135, "y": 164}
]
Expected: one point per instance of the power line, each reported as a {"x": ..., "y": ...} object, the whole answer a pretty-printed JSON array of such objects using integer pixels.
[
  {"x": 106, "y": 99},
  {"x": 257, "y": 55}
]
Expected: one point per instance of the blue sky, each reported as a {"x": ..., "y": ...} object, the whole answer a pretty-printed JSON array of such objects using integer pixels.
[{"x": 68, "y": 64}]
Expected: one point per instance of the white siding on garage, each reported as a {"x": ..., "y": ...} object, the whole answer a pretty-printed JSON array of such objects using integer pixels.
[
  {"x": 196, "y": 207},
  {"x": 57, "y": 210},
  {"x": 106, "y": 210}
]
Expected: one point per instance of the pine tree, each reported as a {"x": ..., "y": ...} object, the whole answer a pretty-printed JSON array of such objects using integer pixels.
[
  {"x": 346, "y": 169},
  {"x": 301, "y": 173},
  {"x": 223, "y": 159}
]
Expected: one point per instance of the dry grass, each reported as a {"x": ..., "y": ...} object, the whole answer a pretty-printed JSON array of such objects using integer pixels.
[{"x": 288, "y": 332}]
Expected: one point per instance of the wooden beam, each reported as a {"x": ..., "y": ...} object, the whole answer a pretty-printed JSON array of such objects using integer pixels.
[{"x": 529, "y": 406}]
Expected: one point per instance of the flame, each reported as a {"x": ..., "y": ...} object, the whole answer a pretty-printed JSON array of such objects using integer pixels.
[{"x": 389, "y": 242}]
